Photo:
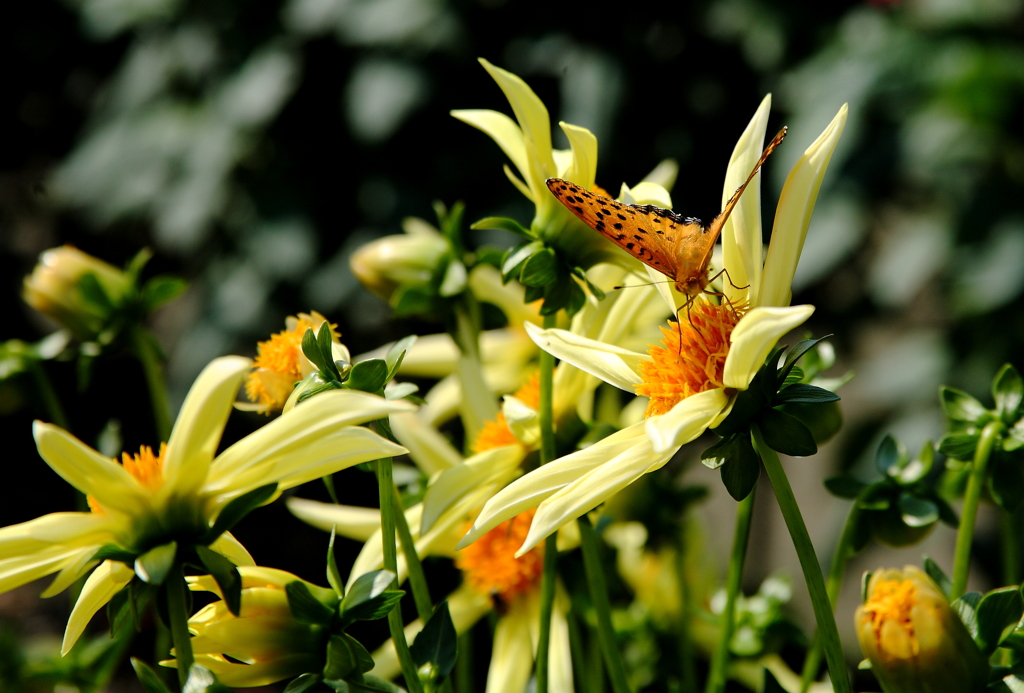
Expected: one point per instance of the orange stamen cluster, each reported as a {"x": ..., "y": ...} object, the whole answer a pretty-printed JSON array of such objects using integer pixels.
[
  {"x": 692, "y": 359},
  {"x": 144, "y": 466},
  {"x": 496, "y": 433},
  {"x": 489, "y": 565},
  {"x": 280, "y": 355},
  {"x": 892, "y": 601}
]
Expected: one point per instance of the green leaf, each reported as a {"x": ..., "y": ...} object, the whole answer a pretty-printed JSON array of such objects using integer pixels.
[
  {"x": 369, "y": 597},
  {"x": 113, "y": 552},
  {"x": 966, "y": 607},
  {"x": 786, "y": 434},
  {"x": 311, "y": 349},
  {"x": 804, "y": 394},
  {"x": 997, "y": 614},
  {"x": 717, "y": 455},
  {"x": 238, "y": 508},
  {"x": 960, "y": 406},
  {"x": 1008, "y": 392},
  {"x": 369, "y": 376},
  {"x": 917, "y": 512},
  {"x": 396, "y": 354},
  {"x": 93, "y": 292},
  {"x": 771, "y": 685},
  {"x": 517, "y": 256},
  {"x": 540, "y": 269},
  {"x": 346, "y": 658},
  {"x": 959, "y": 446},
  {"x": 503, "y": 223},
  {"x": 154, "y": 565},
  {"x": 306, "y": 607},
  {"x": 742, "y": 467},
  {"x": 938, "y": 575},
  {"x": 845, "y": 486},
  {"x": 333, "y": 576},
  {"x": 865, "y": 579},
  {"x": 795, "y": 375},
  {"x": 557, "y": 295},
  {"x": 202, "y": 680},
  {"x": 437, "y": 643},
  {"x": 409, "y": 300},
  {"x": 794, "y": 355},
  {"x": 302, "y": 683},
  {"x": 878, "y": 497},
  {"x": 161, "y": 290},
  {"x": 151, "y": 683},
  {"x": 454, "y": 281},
  {"x": 375, "y": 685},
  {"x": 325, "y": 342},
  {"x": 138, "y": 262},
  {"x": 946, "y": 513},
  {"x": 889, "y": 456},
  {"x": 226, "y": 575}
]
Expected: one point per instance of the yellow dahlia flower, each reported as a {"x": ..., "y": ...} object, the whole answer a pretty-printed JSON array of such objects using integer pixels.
[
  {"x": 709, "y": 355},
  {"x": 177, "y": 495}
]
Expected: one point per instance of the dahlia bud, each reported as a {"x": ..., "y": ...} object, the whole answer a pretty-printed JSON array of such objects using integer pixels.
[{"x": 387, "y": 263}]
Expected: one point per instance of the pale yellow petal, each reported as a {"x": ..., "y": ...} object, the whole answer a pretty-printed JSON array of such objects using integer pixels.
[
  {"x": 229, "y": 547},
  {"x": 530, "y": 490},
  {"x": 106, "y": 581},
  {"x": 664, "y": 174},
  {"x": 351, "y": 521},
  {"x": 647, "y": 193},
  {"x": 503, "y": 130},
  {"x": 89, "y": 471},
  {"x": 614, "y": 365},
  {"x": 584, "y": 155},
  {"x": 200, "y": 424},
  {"x": 512, "y": 653},
  {"x": 793, "y": 216},
  {"x": 560, "y": 679},
  {"x": 741, "y": 236},
  {"x": 686, "y": 420},
  {"x": 427, "y": 446},
  {"x": 754, "y": 337},
  {"x": 77, "y": 567},
  {"x": 453, "y": 484}
]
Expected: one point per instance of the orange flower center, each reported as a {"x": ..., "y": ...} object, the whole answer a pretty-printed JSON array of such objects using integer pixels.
[
  {"x": 891, "y": 600},
  {"x": 692, "y": 359},
  {"x": 496, "y": 433},
  {"x": 489, "y": 565},
  {"x": 278, "y": 364},
  {"x": 147, "y": 468}
]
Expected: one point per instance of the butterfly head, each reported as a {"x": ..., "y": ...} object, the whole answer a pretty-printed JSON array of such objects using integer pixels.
[{"x": 693, "y": 285}]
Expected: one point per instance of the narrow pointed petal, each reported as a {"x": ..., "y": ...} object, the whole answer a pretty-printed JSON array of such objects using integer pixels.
[
  {"x": 106, "y": 581},
  {"x": 796, "y": 204},
  {"x": 560, "y": 655},
  {"x": 589, "y": 491},
  {"x": 200, "y": 424},
  {"x": 230, "y": 548},
  {"x": 754, "y": 337},
  {"x": 90, "y": 472},
  {"x": 741, "y": 237},
  {"x": 452, "y": 485},
  {"x": 78, "y": 566},
  {"x": 430, "y": 450},
  {"x": 351, "y": 521},
  {"x": 612, "y": 364},
  {"x": 686, "y": 420},
  {"x": 530, "y": 490},
  {"x": 512, "y": 654},
  {"x": 503, "y": 130},
  {"x": 584, "y": 155}
]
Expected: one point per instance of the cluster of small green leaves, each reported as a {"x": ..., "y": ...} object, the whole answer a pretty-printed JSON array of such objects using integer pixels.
[
  {"x": 779, "y": 384},
  {"x": 544, "y": 271},
  {"x": 968, "y": 419},
  {"x": 370, "y": 375},
  {"x": 760, "y": 624},
  {"x": 900, "y": 508}
]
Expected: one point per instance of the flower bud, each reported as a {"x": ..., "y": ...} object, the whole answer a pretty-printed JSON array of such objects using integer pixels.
[
  {"x": 915, "y": 641},
  {"x": 265, "y": 643},
  {"x": 387, "y": 263},
  {"x": 56, "y": 290}
]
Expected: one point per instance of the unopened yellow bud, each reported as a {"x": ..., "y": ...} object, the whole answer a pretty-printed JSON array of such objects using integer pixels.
[
  {"x": 913, "y": 638},
  {"x": 387, "y": 263},
  {"x": 54, "y": 289}
]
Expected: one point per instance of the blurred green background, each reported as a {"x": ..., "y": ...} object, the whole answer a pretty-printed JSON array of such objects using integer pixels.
[{"x": 255, "y": 145}]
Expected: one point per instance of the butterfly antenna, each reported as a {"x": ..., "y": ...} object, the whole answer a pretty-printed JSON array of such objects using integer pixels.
[
  {"x": 633, "y": 286},
  {"x": 734, "y": 200}
]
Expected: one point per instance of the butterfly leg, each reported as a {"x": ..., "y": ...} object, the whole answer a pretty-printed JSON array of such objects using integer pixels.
[{"x": 728, "y": 279}]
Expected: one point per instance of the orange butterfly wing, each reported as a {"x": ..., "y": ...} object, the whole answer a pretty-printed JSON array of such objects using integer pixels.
[{"x": 679, "y": 247}]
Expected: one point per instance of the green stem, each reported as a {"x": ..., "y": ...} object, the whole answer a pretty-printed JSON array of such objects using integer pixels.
[
  {"x": 545, "y": 411},
  {"x": 965, "y": 534},
  {"x": 417, "y": 578},
  {"x": 386, "y": 485},
  {"x": 827, "y": 630},
  {"x": 687, "y": 663},
  {"x": 145, "y": 349},
  {"x": 843, "y": 551},
  {"x": 178, "y": 614},
  {"x": 464, "y": 664},
  {"x": 602, "y": 608},
  {"x": 740, "y": 539},
  {"x": 49, "y": 396},
  {"x": 477, "y": 405}
]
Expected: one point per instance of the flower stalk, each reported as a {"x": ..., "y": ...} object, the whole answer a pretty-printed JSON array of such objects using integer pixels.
[
  {"x": 145, "y": 351},
  {"x": 177, "y": 611},
  {"x": 599, "y": 598},
  {"x": 417, "y": 578},
  {"x": 547, "y": 453},
  {"x": 741, "y": 537},
  {"x": 828, "y": 633},
  {"x": 975, "y": 483}
]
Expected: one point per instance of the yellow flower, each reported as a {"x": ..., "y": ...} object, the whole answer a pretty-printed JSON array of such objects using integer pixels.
[
  {"x": 692, "y": 385},
  {"x": 527, "y": 144},
  {"x": 177, "y": 495},
  {"x": 915, "y": 641},
  {"x": 53, "y": 289},
  {"x": 265, "y": 643},
  {"x": 280, "y": 363}
]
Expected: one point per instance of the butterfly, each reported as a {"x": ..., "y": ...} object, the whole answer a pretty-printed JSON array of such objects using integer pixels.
[{"x": 679, "y": 247}]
